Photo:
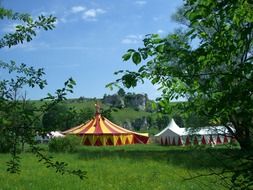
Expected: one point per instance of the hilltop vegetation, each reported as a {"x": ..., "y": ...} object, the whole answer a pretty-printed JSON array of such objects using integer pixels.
[{"x": 135, "y": 112}]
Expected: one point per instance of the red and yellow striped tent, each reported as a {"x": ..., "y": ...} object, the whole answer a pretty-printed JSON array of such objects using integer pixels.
[{"x": 99, "y": 131}]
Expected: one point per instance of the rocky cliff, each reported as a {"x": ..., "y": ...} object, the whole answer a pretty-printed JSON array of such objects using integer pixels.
[{"x": 136, "y": 101}]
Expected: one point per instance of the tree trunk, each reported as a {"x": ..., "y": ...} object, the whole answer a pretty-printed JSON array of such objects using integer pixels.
[{"x": 244, "y": 137}]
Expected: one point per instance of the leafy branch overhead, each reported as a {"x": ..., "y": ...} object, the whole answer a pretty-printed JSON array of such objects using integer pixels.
[
  {"x": 209, "y": 63},
  {"x": 19, "y": 118},
  {"x": 25, "y": 31}
]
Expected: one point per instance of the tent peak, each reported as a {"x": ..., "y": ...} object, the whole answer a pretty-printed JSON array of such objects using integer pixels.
[{"x": 97, "y": 106}]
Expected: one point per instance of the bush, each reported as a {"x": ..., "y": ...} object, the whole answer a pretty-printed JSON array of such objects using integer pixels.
[
  {"x": 64, "y": 144},
  {"x": 5, "y": 144}
]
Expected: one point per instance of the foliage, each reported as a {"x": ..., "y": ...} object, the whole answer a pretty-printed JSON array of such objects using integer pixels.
[
  {"x": 54, "y": 119},
  {"x": 162, "y": 121},
  {"x": 121, "y": 92},
  {"x": 209, "y": 63},
  {"x": 180, "y": 122},
  {"x": 216, "y": 76},
  {"x": 5, "y": 143},
  {"x": 64, "y": 144},
  {"x": 84, "y": 115},
  {"x": 108, "y": 113},
  {"x": 139, "y": 123},
  {"x": 151, "y": 121},
  {"x": 26, "y": 31},
  {"x": 62, "y": 117},
  {"x": 18, "y": 119}
]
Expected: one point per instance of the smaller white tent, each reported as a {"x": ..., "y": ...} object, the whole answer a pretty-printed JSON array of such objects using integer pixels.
[
  {"x": 48, "y": 136},
  {"x": 171, "y": 135},
  {"x": 174, "y": 135},
  {"x": 55, "y": 134}
]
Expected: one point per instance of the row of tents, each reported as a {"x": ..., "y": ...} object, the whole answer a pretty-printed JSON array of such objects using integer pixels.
[
  {"x": 174, "y": 135},
  {"x": 100, "y": 131}
]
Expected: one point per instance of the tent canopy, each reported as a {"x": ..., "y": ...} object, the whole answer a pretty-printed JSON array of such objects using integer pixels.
[
  {"x": 172, "y": 126},
  {"x": 101, "y": 131},
  {"x": 183, "y": 135}
]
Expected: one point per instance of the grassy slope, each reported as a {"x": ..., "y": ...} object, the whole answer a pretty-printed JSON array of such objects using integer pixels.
[
  {"x": 121, "y": 115},
  {"x": 134, "y": 167},
  {"x": 128, "y": 114}
]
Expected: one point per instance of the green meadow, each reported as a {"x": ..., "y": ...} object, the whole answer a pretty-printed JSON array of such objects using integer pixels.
[{"x": 123, "y": 167}]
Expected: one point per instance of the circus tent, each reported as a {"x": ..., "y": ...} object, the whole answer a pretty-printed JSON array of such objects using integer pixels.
[
  {"x": 100, "y": 131},
  {"x": 174, "y": 135}
]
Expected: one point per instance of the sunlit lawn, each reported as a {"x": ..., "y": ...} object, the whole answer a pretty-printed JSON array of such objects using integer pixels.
[{"x": 125, "y": 167}]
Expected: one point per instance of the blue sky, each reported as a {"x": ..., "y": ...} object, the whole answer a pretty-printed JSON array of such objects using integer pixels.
[{"x": 89, "y": 40}]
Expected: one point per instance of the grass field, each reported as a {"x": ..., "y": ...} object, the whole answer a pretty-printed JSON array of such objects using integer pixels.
[{"x": 123, "y": 167}]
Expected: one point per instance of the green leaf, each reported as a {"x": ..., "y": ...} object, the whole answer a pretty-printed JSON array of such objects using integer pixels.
[
  {"x": 141, "y": 69},
  {"x": 136, "y": 58},
  {"x": 160, "y": 48},
  {"x": 144, "y": 55},
  {"x": 154, "y": 81},
  {"x": 127, "y": 56},
  {"x": 155, "y": 36},
  {"x": 194, "y": 16},
  {"x": 131, "y": 50}
]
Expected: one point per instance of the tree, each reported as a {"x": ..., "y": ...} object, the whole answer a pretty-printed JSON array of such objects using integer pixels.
[
  {"x": 17, "y": 118},
  {"x": 84, "y": 115},
  {"x": 121, "y": 92},
  {"x": 59, "y": 117},
  {"x": 162, "y": 121},
  {"x": 179, "y": 120},
  {"x": 215, "y": 75}
]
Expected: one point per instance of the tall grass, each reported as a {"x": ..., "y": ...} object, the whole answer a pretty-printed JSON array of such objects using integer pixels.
[{"x": 133, "y": 167}]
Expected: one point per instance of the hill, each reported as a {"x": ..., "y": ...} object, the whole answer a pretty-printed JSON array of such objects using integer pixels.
[{"x": 129, "y": 110}]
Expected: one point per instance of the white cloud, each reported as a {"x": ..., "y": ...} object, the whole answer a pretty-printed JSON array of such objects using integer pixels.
[
  {"x": 63, "y": 20},
  {"x": 160, "y": 31},
  {"x": 81, "y": 12},
  {"x": 77, "y": 9},
  {"x": 141, "y": 3},
  {"x": 132, "y": 39},
  {"x": 10, "y": 28},
  {"x": 157, "y": 18},
  {"x": 129, "y": 41},
  {"x": 92, "y": 14}
]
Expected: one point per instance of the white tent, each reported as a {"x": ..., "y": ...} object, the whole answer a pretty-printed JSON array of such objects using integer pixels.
[
  {"x": 55, "y": 134},
  {"x": 174, "y": 135},
  {"x": 171, "y": 135},
  {"x": 48, "y": 136}
]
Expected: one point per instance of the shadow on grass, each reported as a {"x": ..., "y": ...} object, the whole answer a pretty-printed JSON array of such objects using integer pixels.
[{"x": 190, "y": 157}]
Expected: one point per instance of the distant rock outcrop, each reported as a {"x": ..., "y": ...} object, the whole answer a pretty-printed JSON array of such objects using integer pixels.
[
  {"x": 136, "y": 101},
  {"x": 114, "y": 100}
]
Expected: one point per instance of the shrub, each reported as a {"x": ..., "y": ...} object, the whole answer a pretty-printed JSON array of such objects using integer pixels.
[
  {"x": 5, "y": 144},
  {"x": 64, "y": 144}
]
